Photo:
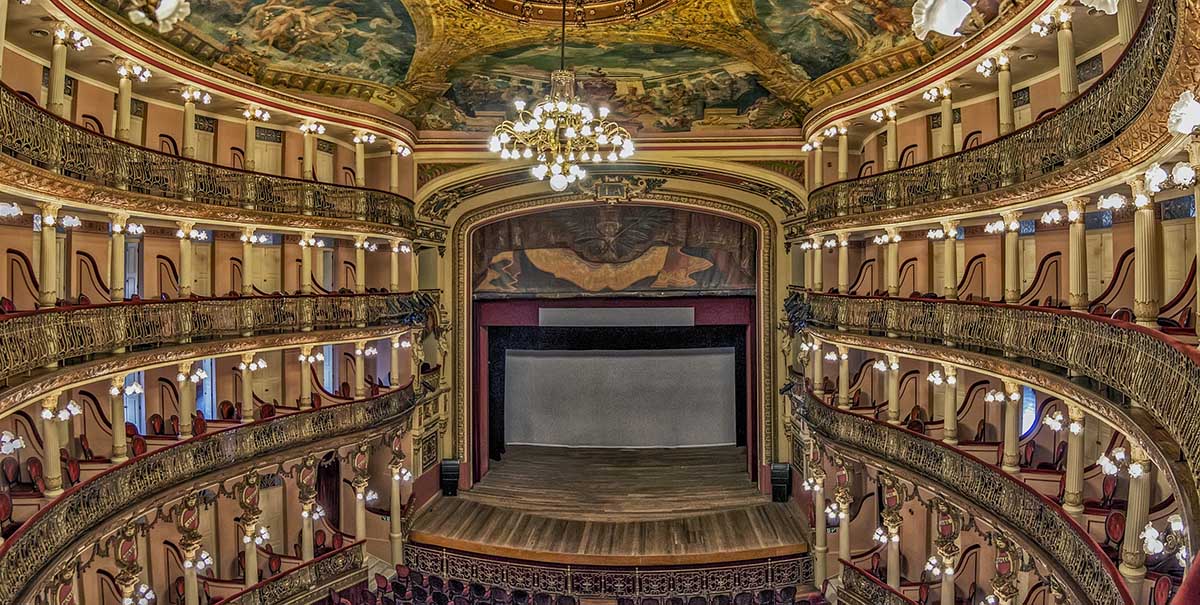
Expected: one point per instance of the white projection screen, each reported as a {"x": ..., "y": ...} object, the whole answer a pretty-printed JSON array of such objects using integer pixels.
[{"x": 637, "y": 398}]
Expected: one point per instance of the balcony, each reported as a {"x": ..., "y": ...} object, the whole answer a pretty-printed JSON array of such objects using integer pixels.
[
  {"x": 335, "y": 570},
  {"x": 1035, "y": 158},
  {"x": 32, "y": 134}
]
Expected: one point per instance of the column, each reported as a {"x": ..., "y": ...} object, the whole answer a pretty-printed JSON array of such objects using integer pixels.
[
  {"x": 1068, "y": 79},
  {"x": 843, "y": 240},
  {"x": 305, "y": 377},
  {"x": 310, "y": 150},
  {"x": 820, "y": 532},
  {"x": 1008, "y": 119},
  {"x": 818, "y": 374},
  {"x": 818, "y": 156},
  {"x": 360, "y": 372},
  {"x": 806, "y": 250},
  {"x": 1077, "y": 254},
  {"x": 360, "y": 509},
  {"x": 950, "y": 405},
  {"x": 116, "y": 412},
  {"x": 249, "y": 527},
  {"x": 1012, "y": 427},
  {"x": 53, "y": 464},
  {"x": 360, "y": 264},
  {"x": 396, "y": 516},
  {"x": 818, "y": 262},
  {"x": 1137, "y": 514},
  {"x": 247, "y": 261},
  {"x": 48, "y": 269},
  {"x": 1012, "y": 257},
  {"x": 843, "y": 154},
  {"x": 842, "y": 496},
  {"x": 124, "y": 104},
  {"x": 189, "y": 126},
  {"x": 187, "y": 399},
  {"x": 1147, "y": 258},
  {"x": 116, "y": 255},
  {"x": 946, "y": 134},
  {"x": 247, "y": 387},
  {"x": 843, "y": 376},
  {"x": 1073, "y": 489},
  {"x": 306, "y": 529},
  {"x": 3, "y": 36},
  {"x": 185, "y": 258},
  {"x": 394, "y": 266},
  {"x": 891, "y": 152},
  {"x": 893, "y": 388},
  {"x": 360, "y": 158},
  {"x": 56, "y": 97},
  {"x": 394, "y": 363},
  {"x": 191, "y": 585},
  {"x": 892, "y": 266},
  {"x": 1126, "y": 21},
  {"x": 394, "y": 168},
  {"x": 892, "y": 523},
  {"x": 948, "y": 552},
  {"x": 306, "y": 284},
  {"x": 251, "y": 136},
  {"x": 950, "y": 260},
  {"x": 1194, "y": 160}
]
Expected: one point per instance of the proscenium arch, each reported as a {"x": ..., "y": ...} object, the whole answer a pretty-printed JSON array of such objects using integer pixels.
[{"x": 771, "y": 289}]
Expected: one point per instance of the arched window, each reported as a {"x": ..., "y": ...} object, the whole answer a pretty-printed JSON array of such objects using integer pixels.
[
  {"x": 973, "y": 140},
  {"x": 1046, "y": 114},
  {"x": 908, "y": 157},
  {"x": 237, "y": 157},
  {"x": 166, "y": 144},
  {"x": 866, "y": 169},
  {"x": 348, "y": 175},
  {"x": 93, "y": 124}
]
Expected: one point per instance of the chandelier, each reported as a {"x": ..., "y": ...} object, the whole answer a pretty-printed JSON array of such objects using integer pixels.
[{"x": 560, "y": 132}]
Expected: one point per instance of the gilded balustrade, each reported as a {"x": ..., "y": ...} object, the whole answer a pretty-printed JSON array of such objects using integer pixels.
[
  {"x": 611, "y": 582},
  {"x": 860, "y": 588},
  {"x": 45, "y": 338},
  {"x": 33, "y": 550},
  {"x": 1075, "y": 130},
  {"x": 1158, "y": 373},
  {"x": 30, "y": 132},
  {"x": 303, "y": 582},
  {"x": 1090, "y": 576}
]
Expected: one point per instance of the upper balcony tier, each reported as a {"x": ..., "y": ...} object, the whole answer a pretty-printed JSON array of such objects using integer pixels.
[
  {"x": 1117, "y": 123},
  {"x": 193, "y": 188}
]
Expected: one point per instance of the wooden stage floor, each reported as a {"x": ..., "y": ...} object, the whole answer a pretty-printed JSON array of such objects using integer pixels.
[{"x": 615, "y": 507}]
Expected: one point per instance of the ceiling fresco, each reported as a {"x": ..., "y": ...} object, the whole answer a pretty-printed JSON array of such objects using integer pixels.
[{"x": 680, "y": 65}]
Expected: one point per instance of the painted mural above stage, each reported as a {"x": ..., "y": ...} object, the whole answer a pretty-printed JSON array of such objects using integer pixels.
[{"x": 613, "y": 249}]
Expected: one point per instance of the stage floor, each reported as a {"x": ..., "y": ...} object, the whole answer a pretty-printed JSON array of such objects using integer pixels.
[{"x": 615, "y": 507}]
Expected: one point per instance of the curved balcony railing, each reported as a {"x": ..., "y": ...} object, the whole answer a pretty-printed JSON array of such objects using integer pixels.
[
  {"x": 34, "y": 134},
  {"x": 312, "y": 576},
  {"x": 1158, "y": 372},
  {"x": 1075, "y": 130},
  {"x": 44, "y": 338},
  {"x": 861, "y": 588},
  {"x": 33, "y": 551},
  {"x": 1089, "y": 574}
]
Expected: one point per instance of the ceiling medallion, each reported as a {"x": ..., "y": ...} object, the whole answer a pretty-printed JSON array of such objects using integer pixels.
[
  {"x": 561, "y": 132},
  {"x": 582, "y": 12}
]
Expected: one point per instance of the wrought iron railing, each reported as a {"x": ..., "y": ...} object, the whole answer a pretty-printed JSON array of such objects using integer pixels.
[
  {"x": 305, "y": 579},
  {"x": 34, "y": 134},
  {"x": 860, "y": 588},
  {"x": 1159, "y": 373},
  {"x": 1075, "y": 130},
  {"x": 44, "y": 338},
  {"x": 34, "y": 549},
  {"x": 612, "y": 582},
  {"x": 1088, "y": 572}
]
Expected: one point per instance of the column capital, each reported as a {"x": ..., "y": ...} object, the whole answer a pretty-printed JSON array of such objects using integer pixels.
[
  {"x": 893, "y": 234},
  {"x": 248, "y": 357},
  {"x": 184, "y": 367},
  {"x": 1137, "y": 186},
  {"x": 1012, "y": 386},
  {"x": 893, "y": 359},
  {"x": 306, "y": 349},
  {"x": 360, "y": 239},
  {"x": 843, "y": 237},
  {"x": 1137, "y": 453},
  {"x": 118, "y": 218},
  {"x": 185, "y": 226},
  {"x": 50, "y": 402},
  {"x": 1078, "y": 206},
  {"x": 49, "y": 208},
  {"x": 950, "y": 369},
  {"x": 817, "y": 240},
  {"x": 1010, "y": 217},
  {"x": 950, "y": 226},
  {"x": 308, "y": 234},
  {"x": 1193, "y": 150},
  {"x": 249, "y": 230}
]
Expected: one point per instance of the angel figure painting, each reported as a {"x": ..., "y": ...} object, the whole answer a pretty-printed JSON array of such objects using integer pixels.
[
  {"x": 367, "y": 39},
  {"x": 823, "y": 35}
]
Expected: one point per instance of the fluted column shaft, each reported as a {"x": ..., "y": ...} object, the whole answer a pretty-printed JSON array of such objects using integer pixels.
[
  {"x": 394, "y": 363},
  {"x": 1012, "y": 259},
  {"x": 116, "y": 257},
  {"x": 305, "y": 377},
  {"x": 307, "y": 546},
  {"x": 394, "y": 267},
  {"x": 891, "y": 151},
  {"x": 1147, "y": 263},
  {"x": 950, "y": 405},
  {"x": 48, "y": 263},
  {"x": 360, "y": 265},
  {"x": 306, "y": 161},
  {"x": 248, "y": 262},
  {"x": 3, "y": 36},
  {"x": 843, "y": 264},
  {"x": 950, "y": 260},
  {"x": 818, "y": 373},
  {"x": 394, "y": 172},
  {"x": 124, "y": 109},
  {"x": 56, "y": 93},
  {"x": 818, "y": 283},
  {"x": 306, "y": 254},
  {"x": 818, "y": 167},
  {"x": 1126, "y": 21},
  {"x": 808, "y": 267},
  {"x": 189, "y": 128},
  {"x": 1137, "y": 514},
  {"x": 892, "y": 266},
  {"x": 1073, "y": 487},
  {"x": 820, "y": 534},
  {"x": 893, "y": 388},
  {"x": 396, "y": 517},
  {"x": 360, "y": 371},
  {"x": 1008, "y": 119},
  {"x": 843, "y": 376},
  {"x": 360, "y": 164},
  {"x": 185, "y": 260},
  {"x": 1012, "y": 428},
  {"x": 360, "y": 510},
  {"x": 187, "y": 400},
  {"x": 247, "y": 388},
  {"x": 251, "y": 559},
  {"x": 251, "y": 135},
  {"x": 1067, "y": 77},
  {"x": 1077, "y": 255},
  {"x": 844, "y": 500},
  {"x": 116, "y": 411},
  {"x": 946, "y": 134},
  {"x": 843, "y": 157},
  {"x": 893, "y": 558},
  {"x": 51, "y": 445}
]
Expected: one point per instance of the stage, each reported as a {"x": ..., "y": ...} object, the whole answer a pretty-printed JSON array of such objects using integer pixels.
[{"x": 600, "y": 506}]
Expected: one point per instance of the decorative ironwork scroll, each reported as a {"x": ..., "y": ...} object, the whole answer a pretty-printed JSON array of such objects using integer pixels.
[
  {"x": 611, "y": 582},
  {"x": 1074, "y": 131},
  {"x": 34, "y": 134},
  {"x": 304, "y": 579},
  {"x": 860, "y": 588},
  {"x": 43, "y": 338}
]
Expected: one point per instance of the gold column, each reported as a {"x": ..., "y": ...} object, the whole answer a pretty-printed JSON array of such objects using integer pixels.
[
  {"x": 950, "y": 405},
  {"x": 843, "y": 376},
  {"x": 396, "y": 515},
  {"x": 48, "y": 273},
  {"x": 120, "y": 451},
  {"x": 360, "y": 372},
  {"x": 891, "y": 152},
  {"x": 3, "y": 37},
  {"x": 185, "y": 258},
  {"x": 818, "y": 161},
  {"x": 946, "y": 134},
  {"x": 56, "y": 96},
  {"x": 305, "y": 377},
  {"x": 191, "y": 584},
  {"x": 1077, "y": 254},
  {"x": 818, "y": 284},
  {"x": 306, "y": 248},
  {"x": 249, "y": 141},
  {"x": 360, "y": 264},
  {"x": 818, "y": 374},
  {"x": 806, "y": 250},
  {"x": 892, "y": 524},
  {"x": 116, "y": 255},
  {"x": 187, "y": 399},
  {"x": 841, "y": 495},
  {"x": 893, "y": 388},
  {"x": 124, "y": 105},
  {"x": 948, "y": 551},
  {"x": 247, "y": 387},
  {"x": 394, "y": 363},
  {"x": 1137, "y": 514},
  {"x": 394, "y": 266},
  {"x": 893, "y": 261},
  {"x": 189, "y": 126},
  {"x": 394, "y": 169},
  {"x": 307, "y": 547},
  {"x": 950, "y": 260},
  {"x": 820, "y": 531},
  {"x": 1008, "y": 119},
  {"x": 843, "y": 240},
  {"x": 1012, "y": 257},
  {"x": 1126, "y": 21},
  {"x": 1147, "y": 258},
  {"x": 310, "y": 150},
  {"x": 1012, "y": 427},
  {"x": 843, "y": 159},
  {"x": 51, "y": 445},
  {"x": 1073, "y": 489},
  {"x": 360, "y": 159},
  {"x": 249, "y": 527},
  {"x": 1068, "y": 78},
  {"x": 248, "y": 261}
]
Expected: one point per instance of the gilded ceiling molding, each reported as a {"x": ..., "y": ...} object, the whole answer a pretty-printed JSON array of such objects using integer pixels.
[
  {"x": 15, "y": 397},
  {"x": 1133, "y": 422},
  {"x": 28, "y": 182},
  {"x": 466, "y": 221}
]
